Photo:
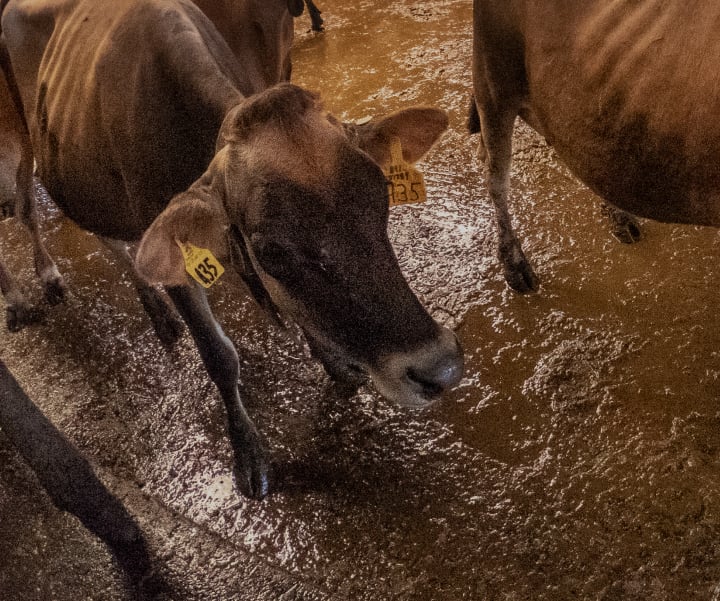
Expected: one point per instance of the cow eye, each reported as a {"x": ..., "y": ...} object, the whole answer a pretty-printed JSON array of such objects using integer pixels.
[{"x": 276, "y": 259}]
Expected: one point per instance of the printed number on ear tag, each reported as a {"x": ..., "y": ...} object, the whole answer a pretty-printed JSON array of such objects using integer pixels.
[
  {"x": 201, "y": 264},
  {"x": 405, "y": 183}
]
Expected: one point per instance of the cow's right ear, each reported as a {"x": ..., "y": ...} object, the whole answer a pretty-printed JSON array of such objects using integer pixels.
[
  {"x": 195, "y": 216},
  {"x": 417, "y": 128}
]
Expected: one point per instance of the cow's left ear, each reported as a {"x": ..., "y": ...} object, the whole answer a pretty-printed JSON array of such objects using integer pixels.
[
  {"x": 296, "y": 7},
  {"x": 417, "y": 128},
  {"x": 195, "y": 216}
]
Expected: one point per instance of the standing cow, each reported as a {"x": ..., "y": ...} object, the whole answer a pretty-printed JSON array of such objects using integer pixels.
[
  {"x": 144, "y": 125},
  {"x": 626, "y": 92}
]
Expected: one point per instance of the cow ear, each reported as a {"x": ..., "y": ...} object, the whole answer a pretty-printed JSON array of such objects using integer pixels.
[
  {"x": 417, "y": 128},
  {"x": 195, "y": 216},
  {"x": 296, "y": 7}
]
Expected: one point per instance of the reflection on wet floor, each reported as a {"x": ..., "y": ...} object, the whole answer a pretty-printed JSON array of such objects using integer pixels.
[{"x": 578, "y": 459}]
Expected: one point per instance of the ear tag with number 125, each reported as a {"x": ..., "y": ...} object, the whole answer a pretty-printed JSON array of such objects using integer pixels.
[
  {"x": 405, "y": 183},
  {"x": 201, "y": 264}
]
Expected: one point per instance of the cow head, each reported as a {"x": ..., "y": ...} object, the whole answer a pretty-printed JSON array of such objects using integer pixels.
[{"x": 309, "y": 200}]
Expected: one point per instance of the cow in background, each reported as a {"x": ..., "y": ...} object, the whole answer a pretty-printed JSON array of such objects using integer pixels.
[
  {"x": 626, "y": 92},
  {"x": 165, "y": 135}
]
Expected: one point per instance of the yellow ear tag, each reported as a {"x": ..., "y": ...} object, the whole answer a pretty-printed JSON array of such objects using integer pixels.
[
  {"x": 201, "y": 264},
  {"x": 405, "y": 183}
]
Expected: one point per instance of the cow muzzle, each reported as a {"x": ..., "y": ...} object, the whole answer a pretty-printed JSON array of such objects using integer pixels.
[{"x": 418, "y": 378}]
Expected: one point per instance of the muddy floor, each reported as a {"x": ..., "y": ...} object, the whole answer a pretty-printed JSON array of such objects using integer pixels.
[{"x": 578, "y": 459}]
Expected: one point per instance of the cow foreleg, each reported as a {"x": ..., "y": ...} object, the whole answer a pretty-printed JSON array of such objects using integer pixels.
[
  {"x": 221, "y": 361},
  {"x": 165, "y": 322},
  {"x": 497, "y": 144}
]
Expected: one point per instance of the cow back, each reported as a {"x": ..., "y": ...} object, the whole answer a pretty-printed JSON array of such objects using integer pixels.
[{"x": 124, "y": 102}]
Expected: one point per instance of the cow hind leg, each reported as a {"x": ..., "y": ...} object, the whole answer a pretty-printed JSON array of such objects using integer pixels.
[
  {"x": 496, "y": 132},
  {"x": 166, "y": 324},
  {"x": 26, "y": 210},
  {"x": 19, "y": 312},
  {"x": 221, "y": 361}
]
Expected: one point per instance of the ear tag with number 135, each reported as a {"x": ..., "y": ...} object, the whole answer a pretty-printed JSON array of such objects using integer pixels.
[
  {"x": 201, "y": 264},
  {"x": 405, "y": 183}
]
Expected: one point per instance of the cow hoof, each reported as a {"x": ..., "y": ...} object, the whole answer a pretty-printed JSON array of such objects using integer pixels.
[
  {"x": 521, "y": 278},
  {"x": 347, "y": 379},
  {"x": 19, "y": 316},
  {"x": 628, "y": 233},
  {"x": 252, "y": 472},
  {"x": 169, "y": 329},
  {"x": 55, "y": 291},
  {"x": 625, "y": 227}
]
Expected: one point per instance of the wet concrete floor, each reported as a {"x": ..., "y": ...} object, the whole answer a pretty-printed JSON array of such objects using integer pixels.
[{"x": 578, "y": 459}]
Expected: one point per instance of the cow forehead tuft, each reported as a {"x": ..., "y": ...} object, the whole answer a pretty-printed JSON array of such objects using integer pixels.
[
  {"x": 283, "y": 105},
  {"x": 307, "y": 151}
]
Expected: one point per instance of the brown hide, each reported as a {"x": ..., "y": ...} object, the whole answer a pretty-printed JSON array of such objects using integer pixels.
[
  {"x": 626, "y": 91},
  {"x": 141, "y": 130}
]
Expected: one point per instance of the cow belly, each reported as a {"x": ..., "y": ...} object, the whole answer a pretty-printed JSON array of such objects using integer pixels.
[
  {"x": 627, "y": 93},
  {"x": 97, "y": 206},
  {"x": 650, "y": 173}
]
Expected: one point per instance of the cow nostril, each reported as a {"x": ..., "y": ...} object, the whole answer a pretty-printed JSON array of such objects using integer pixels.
[
  {"x": 429, "y": 387},
  {"x": 440, "y": 375}
]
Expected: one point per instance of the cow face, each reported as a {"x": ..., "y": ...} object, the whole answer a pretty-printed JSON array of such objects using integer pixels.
[{"x": 309, "y": 200}]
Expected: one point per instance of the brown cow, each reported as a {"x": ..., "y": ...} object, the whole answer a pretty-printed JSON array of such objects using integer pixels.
[
  {"x": 17, "y": 197},
  {"x": 126, "y": 101},
  {"x": 625, "y": 91}
]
